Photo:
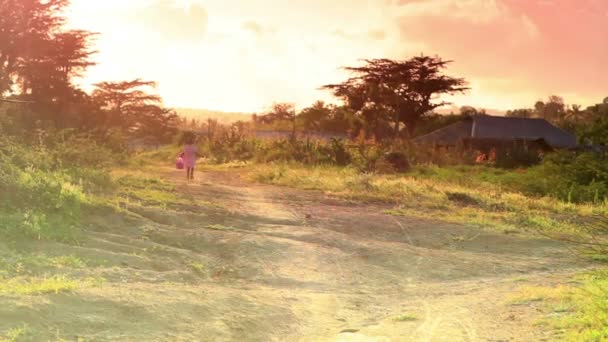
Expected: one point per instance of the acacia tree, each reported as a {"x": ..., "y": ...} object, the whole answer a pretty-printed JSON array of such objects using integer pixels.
[
  {"x": 400, "y": 91},
  {"x": 130, "y": 106}
]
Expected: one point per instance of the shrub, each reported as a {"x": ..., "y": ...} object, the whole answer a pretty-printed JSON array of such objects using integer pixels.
[
  {"x": 517, "y": 157},
  {"x": 398, "y": 160},
  {"x": 576, "y": 178},
  {"x": 44, "y": 186}
]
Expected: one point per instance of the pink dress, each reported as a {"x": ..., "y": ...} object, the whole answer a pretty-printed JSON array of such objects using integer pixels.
[{"x": 190, "y": 156}]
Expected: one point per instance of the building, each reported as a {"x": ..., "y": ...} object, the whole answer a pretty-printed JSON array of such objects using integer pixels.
[{"x": 484, "y": 132}]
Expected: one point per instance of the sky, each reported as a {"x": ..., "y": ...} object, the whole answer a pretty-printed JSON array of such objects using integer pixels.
[{"x": 244, "y": 55}]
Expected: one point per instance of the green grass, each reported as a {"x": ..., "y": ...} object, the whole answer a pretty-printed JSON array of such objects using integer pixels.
[
  {"x": 29, "y": 264},
  {"x": 15, "y": 334},
  {"x": 530, "y": 294},
  {"x": 475, "y": 203},
  {"x": 197, "y": 267},
  {"x": 219, "y": 227},
  {"x": 151, "y": 191},
  {"x": 574, "y": 312},
  {"x": 405, "y": 318},
  {"x": 37, "y": 286}
]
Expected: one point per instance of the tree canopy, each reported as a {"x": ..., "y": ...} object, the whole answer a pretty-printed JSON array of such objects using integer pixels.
[
  {"x": 131, "y": 107},
  {"x": 400, "y": 91}
]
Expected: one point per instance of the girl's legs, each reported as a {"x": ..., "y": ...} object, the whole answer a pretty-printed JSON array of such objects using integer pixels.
[{"x": 188, "y": 173}]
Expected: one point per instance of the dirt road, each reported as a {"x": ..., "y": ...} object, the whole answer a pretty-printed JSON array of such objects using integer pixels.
[{"x": 274, "y": 264}]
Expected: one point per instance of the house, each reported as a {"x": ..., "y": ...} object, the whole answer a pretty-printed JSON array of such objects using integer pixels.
[{"x": 484, "y": 132}]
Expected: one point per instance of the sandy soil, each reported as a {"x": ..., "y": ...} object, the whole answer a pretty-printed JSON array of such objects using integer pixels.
[{"x": 286, "y": 265}]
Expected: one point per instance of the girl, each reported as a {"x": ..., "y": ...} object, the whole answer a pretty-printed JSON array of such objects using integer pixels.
[{"x": 190, "y": 154}]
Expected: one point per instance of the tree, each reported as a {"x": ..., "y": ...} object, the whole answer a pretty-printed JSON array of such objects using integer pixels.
[
  {"x": 469, "y": 111},
  {"x": 39, "y": 59},
  {"x": 36, "y": 53},
  {"x": 23, "y": 23},
  {"x": 129, "y": 106},
  {"x": 401, "y": 91},
  {"x": 312, "y": 117},
  {"x": 554, "y": 110},
  {"x": 597, "y": 131},
  {"x": 521, "y": 113},
  {"x": 341, "y": 119},
  {"x": 280, "y": 112},
  {"x": 124, "y": 101}
]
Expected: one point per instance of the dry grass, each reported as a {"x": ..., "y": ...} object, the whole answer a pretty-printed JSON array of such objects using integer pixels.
[{"x": 484, "y": 206}]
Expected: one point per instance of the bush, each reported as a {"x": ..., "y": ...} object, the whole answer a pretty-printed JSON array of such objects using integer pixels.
[
  {"x": 44, "y": 186},
  {"x": 398, "y": 160},
  {"x": 576, "y": 178},
  {"x": 517, "y": 157}
]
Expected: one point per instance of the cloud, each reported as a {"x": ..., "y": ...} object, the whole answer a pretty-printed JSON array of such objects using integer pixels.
[
  {"x": 257, "y": 29},
  {"x": 173, "y": 22},
  {"x": 526, "y": 42},
  {"x": 372, "y": 35},
  {"x": 530, "y": 27},
  {"x": 253, "y": 27},
  {"x": 476, "y": 11},
  {"x": 377, "y": 35}
]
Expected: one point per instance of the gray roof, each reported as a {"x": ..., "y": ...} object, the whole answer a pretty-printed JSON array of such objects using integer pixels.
[{"x": 500, "y": 128}]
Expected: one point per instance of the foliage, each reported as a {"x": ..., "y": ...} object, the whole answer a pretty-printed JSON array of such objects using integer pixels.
[
  {"x": 575, "y": 178},
  {"x": 560, "y": 176},
  {"x": 516, "y": 157},
  {"x": 130, "y": 107},
  {"x": 401, "y": 91},
  {"x": 574, "y": 312},
  {"x": 280, "y": 112},
  {"x": 44, "y": 187}
]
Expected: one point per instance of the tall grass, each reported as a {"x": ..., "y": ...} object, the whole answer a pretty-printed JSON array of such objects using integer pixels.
[
  {"x": 45, "y": 184},
  {"x": 572, "y": 312},
  {"x": 479, "y": 203}
]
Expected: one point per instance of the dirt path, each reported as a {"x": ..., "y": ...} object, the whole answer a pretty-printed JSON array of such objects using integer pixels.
[
  {"x": 275, "y": 264},
  {"x": 349, "y": 270}
]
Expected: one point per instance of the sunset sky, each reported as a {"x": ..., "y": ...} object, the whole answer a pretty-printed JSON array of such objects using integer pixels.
[{"x": 242, "y": 55}]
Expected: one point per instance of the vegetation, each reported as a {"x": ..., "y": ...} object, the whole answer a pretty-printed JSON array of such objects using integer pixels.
[
  {"x": 397, "y": 91},
  {"x": 36, "y": 286},
  {"x": 67, "y": 156},
  {"x": 574, "y": 312},
  {"x": 405, "y": 318},
  {"x": 422, "y": 195}
]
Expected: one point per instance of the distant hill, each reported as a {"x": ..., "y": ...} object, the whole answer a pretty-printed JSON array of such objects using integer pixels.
[{"x": 204, "y": 114}]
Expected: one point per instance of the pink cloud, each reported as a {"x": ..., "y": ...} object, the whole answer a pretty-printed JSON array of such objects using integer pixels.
[{"x": 542, "y": 46}]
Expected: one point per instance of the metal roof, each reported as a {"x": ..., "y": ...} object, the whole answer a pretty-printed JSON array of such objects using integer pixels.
[{"x": 499, "y": 128}]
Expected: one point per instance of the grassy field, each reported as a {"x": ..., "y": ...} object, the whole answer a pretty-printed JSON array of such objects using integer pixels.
[
  {"x": 472, "y": 196},
  {"x": 475, "y": 196},
  {"x": 42, "y": 254},
  {"x": 576, "y": 312}
]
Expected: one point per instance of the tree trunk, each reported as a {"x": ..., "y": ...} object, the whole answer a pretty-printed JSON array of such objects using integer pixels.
[
  {"x": 411, "y": 130},
  {"x": 397, "y": 125}
]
